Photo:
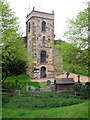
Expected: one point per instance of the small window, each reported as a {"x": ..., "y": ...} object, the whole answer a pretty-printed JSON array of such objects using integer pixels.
[
  {"x": 43, "y": 26},
  {"x": 43, "y": 39},
  {"x": 36, "y": 70},
  {"x": 43, "y": 57},
  {"x": 29, "y": 27}
]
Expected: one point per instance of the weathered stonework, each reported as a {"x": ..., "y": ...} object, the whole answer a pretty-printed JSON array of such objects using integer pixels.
[{"x": 35, "y": 44}]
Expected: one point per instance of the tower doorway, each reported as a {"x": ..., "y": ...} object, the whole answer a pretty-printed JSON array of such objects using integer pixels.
[{"x": 43, "y": 72}]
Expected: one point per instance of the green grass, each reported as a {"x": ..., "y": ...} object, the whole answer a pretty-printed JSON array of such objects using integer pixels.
[
  {"x": 0, "y": 113},
  {"x": 74, "y": 111},
  {"x": 21, "y": 77},
  {"x": 42, "y": 105},
  {"x": 23, "y": 80}
]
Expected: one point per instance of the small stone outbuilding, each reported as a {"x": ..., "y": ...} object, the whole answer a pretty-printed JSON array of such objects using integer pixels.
[{"x": 64, "y": 84}]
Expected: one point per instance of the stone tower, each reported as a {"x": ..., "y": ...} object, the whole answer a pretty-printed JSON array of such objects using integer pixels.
[{"x": 40, "y": 41}]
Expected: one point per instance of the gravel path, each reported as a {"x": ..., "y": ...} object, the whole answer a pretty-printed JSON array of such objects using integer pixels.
[{"x": 82, "y": 78}]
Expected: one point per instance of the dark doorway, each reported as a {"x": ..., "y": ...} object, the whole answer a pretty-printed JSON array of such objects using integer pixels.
[{"x": 43, "y": 72}]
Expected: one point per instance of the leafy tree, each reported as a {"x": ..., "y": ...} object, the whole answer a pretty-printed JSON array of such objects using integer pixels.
[
  {"x": 75, "y": 53},
  {"x": 14, "y": 52},
  {"x": 73, "y": 58},
  {"x": 77, "y": 31}
]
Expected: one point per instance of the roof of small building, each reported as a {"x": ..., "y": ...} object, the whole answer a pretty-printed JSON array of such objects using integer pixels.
[{"x": 65, "y": 81}]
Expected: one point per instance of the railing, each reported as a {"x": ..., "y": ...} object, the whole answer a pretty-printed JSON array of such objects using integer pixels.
[{"x": 23, "y": 92}]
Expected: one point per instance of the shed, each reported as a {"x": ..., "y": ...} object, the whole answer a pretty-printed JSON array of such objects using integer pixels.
[{"x": 64, "y": 84}]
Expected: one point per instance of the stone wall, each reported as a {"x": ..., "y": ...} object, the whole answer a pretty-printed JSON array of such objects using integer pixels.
[{"x": 35, "y": 42}]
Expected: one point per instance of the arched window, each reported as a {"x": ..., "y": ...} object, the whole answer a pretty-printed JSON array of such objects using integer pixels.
[
  {"x": 43, "y": 26},
  {"x": 43, "y": 57},
  {"x": 29, "y": 27}
]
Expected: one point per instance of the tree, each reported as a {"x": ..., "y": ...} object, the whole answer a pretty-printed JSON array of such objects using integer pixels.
[
  {"x": 14, "y": 52},
  {"x": 77, "y": 31},
  {"x": 75, "y": 53},
  {"x": 74, "y": 59}
]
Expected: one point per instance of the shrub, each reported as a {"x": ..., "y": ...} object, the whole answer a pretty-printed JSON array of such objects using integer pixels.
[
  {"x": 42, "y": 101},
  {"x": 83, "y": 90}
]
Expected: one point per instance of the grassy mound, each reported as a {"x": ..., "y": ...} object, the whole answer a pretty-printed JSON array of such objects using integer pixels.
[
  {"x": 23, "y": 80},
  {"x": 74, "y": 111}
]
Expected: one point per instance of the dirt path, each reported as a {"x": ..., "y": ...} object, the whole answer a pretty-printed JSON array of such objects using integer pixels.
[{"x": 82, "y": 78}]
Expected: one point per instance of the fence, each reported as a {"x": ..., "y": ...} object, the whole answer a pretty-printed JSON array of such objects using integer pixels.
[{"x": 23, "y": 92}]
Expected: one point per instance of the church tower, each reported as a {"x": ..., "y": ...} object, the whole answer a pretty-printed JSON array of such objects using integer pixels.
[{"x": 40, "y": 41}]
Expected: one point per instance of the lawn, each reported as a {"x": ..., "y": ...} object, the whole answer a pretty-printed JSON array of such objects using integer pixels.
[
  {"x": 74, "y": 111},
  {"x": 23, "y": 80},
  {"x": 44, "y": 106},
  {"x": 40, "y": 105}
]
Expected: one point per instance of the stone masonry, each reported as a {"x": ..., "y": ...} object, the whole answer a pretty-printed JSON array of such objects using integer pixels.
[{"x": 39, "y": 40}]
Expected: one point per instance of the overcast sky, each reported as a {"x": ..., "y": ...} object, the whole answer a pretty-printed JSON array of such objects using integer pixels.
[{"x": 63, "y": 9}]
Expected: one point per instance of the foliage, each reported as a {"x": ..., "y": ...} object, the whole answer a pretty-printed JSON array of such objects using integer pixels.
[
  {"x": 77, "y": 31},
  {"x": 58, "y": 42},
  {"x": 74, "y": 59},
  {"x": 6, "y": 98},
  {"x": 42, "y": 101},
  {"x": 74, "y": 54},
  {"x": 83, "y": 90},
  {"x": 14, "y": 52}
]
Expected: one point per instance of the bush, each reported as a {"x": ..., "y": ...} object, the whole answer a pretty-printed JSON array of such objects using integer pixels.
[
  {"x": 83, "y": 90},
  {"x": 42, "y": 101},
  {"x": 6, "y": 99}
]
